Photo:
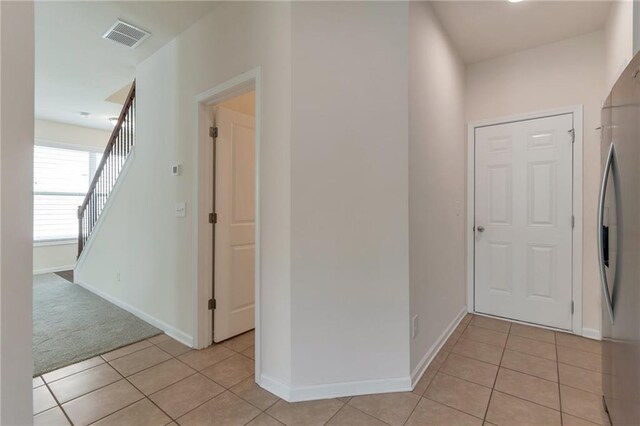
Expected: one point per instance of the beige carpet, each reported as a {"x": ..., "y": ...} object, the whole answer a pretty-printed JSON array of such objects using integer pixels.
[{"x": 71, "y": 324}]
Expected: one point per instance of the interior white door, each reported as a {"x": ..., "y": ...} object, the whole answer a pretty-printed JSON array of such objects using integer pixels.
[
  {"x": 523, "y": 220},
  {"x": 235, "y": 193}
]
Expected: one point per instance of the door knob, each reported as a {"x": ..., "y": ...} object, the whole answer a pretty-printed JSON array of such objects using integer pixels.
[{"x": 480, "y": 228}]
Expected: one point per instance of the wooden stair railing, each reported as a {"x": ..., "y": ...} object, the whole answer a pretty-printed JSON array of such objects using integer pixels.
[{"x": 118, "y": 148}]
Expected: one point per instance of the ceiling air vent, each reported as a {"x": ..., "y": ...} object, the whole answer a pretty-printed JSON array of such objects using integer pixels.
[{"x": 126, "y": 34}]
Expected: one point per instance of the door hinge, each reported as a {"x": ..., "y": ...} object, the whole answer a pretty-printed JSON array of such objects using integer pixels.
[
  {"x": 573, "y": 222},
  {"x": 212, "y": 304},
  {"x": 213, "y": 217},
  {"x": 572, "y": 132},
  {"x": 213, "y": 132},
  {"x": 572, "y": 307}
]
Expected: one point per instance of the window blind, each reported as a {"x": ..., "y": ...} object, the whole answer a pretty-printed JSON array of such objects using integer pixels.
[{"x": 61, "y": 179}]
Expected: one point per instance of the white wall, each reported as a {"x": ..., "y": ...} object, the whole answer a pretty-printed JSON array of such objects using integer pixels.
[
  {"x": 436, "y": 181},
  {"x": 16, "y": 204},
  {"x": 62, "y": 256},
  {"x": 51, "y": 131},
  {"x": 152, "y": 249},
  {"x": 349, "y": 170},
  {"x": 618, "y": 34},
  {"x": 54, "y": 257},
  {"x": 560, "y": 74},
  {"x": 334, "y": 186}
]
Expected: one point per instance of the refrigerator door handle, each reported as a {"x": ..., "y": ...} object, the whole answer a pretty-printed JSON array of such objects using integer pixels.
[{"x": 601, "y": 255}]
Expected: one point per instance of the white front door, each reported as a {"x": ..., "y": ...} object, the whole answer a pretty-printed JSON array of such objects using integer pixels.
[
  {"x": 235, "y": 194},
  {"x": 523, "y": 220}
]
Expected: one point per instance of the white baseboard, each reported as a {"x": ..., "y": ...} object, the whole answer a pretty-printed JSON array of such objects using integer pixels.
[
  {"x": 417, "y": 372},
  {"x": 53, "y": 269},
  {"x": 169, "y": 330},
  {"x": 334, "y": 390},
  {"x": 275, "y": 387},
  {"x": 591, "y": 333},
  {"x": 365, "y": 387}
]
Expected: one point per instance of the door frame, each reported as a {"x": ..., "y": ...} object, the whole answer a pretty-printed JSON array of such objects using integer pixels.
[
  {"x": 203, "y": 200},
  {"x": 576, "y": 270}
]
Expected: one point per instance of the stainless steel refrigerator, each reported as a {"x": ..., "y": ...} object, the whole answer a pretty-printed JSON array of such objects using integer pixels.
[{"x": 619, "y": 248}]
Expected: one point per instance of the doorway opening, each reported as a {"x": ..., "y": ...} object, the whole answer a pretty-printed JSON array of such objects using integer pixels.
[
  {"x": 234, "y": 182},
  {"x": 524, "y": 227},
  {"x": 227, "y": 291}
]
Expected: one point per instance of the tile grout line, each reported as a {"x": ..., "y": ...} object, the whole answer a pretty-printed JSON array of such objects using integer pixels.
[
  {"x": 515, "y": 396},
  {"x": 486, "y": 411},
  {"x": 581, "y": 368},
  {"x": 128, "y": 405},
  {"x": 252, "y": 419},
  {"x": 147, "y": 396},
  {"x": 208, "y": 378},
  {"x": 151, "y": 344},
  {"x": 363, "y": 412},
  {"x": 130, "y": 353},
  {"x": 57, "y": 402},
  {"x": 480, "y": 341},
  {"x": 105, "y": 385},
  {"x": 525, "y": 353},
  {"x": 153, "y": 402},
  {"x": 453, "y": 408},
  {"x": 104, "y": 361},
  {"x": 558, "y": 371},
  {"x": 200, "y": 405},
  {"x": 337, "y": 411},
  {"x": 248, "y": 402},
  {"x": 123, "y": 377},
  {"x": 474, "y": 359},
  {"x": 530, "y": 402},
  {"x": 268, "y": 415},
  {"x": 213, "y": 397},
  {"x": 438, "y": 370},
  {"x": 465, "y": 325}
]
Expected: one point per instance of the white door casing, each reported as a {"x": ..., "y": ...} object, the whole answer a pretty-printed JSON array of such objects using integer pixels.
[
  {"x": 234, "y": 264},
  {"x": 523, "y": 200}
]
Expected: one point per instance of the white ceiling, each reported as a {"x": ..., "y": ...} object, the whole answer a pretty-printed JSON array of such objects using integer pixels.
[
  {"x": 77, "y": 70},
  {"x": 487, "y": 29}
]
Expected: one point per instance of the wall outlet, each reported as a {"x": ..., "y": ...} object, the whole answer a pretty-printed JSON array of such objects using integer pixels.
[
  {"x": 414, "y": 327},
  {"x": 118, "y": 276}
]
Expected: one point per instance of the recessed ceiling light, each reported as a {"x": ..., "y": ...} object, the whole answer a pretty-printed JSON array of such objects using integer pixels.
[
  {"x": 113, "y": 120},
  {"x": 85, "y": 114},
  {"x": 515, "y": 1}
]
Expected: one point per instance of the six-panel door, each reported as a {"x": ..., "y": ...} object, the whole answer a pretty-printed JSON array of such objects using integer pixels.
[
  {"x": 523, "y": 220},
  {"x": 234, "y": 281}
]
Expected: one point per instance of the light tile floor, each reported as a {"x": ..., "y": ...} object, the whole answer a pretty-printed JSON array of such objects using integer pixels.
[{"x": 489, "y": 372}]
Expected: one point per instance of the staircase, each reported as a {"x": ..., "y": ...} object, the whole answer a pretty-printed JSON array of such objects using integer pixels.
[{"x": 120, "y": 145}]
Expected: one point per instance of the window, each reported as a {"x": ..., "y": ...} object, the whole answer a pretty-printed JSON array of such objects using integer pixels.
[{"x": 61, "y": 178}]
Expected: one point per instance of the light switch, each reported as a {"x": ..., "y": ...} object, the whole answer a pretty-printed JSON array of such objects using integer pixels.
[{"x": 181, "y": 209}]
